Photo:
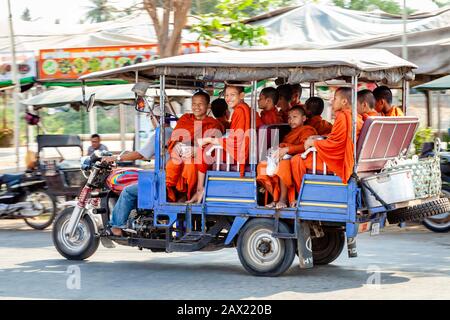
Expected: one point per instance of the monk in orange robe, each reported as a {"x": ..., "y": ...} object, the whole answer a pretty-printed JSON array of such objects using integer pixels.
[
  {"x": 383, "y": 105},
  {"x": 220, "y": 111},
  {"x": 284, "y": 101},
  {"x": 314, "y": 108},
  {"x": 281, "y": 185},
  {"x": 337, "y": 150},
  {"x": 296, "y": 95},
  {"x": 181, "y": 172},
  {"x": 366, "y": 104},
  {"x": 268, "y": 99},
  {"x": 236, "y": 144}
]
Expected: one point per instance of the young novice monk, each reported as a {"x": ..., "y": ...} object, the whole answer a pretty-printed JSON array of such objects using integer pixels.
[
  {"x": 281, "y": 185},
  {"x": 267, "y": 102},
  {"x": 284, "y": 100},
  {"x": 314, "y": 108},
  {"x": 181, "y": 172},
  {"x": 366, "y": 104},
  {"x": 337, "y": 150},
  {"x": 220, "y": 111},
  {"x": 236, "y": 144},
  {"x": 383, "y": 97}
]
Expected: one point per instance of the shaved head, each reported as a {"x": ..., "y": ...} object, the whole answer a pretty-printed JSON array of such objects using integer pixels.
[{"x": 345, "y": 93}]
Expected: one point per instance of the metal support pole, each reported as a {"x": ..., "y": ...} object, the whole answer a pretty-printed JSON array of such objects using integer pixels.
[
  {"x": 16, "y": 83},
  {"x": 162, "y": 87},
  {"x": 137, "y": 121},
  {"x": 93, "y": 120},
  {"x": 311, "y": 89},
  {"x": 354, "y": 116},
  {"x": 429, "y": 99},
  {"x": 405, "y": 95},
  {"x": 404, "y": 38},
  {"x": 253, "y": 127},
  {"x": 123, "y": 132},
  {"x": 439, "y": 115}
]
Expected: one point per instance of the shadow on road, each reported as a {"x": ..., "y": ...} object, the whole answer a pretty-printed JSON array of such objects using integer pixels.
[{"x": 173, "y": 278}]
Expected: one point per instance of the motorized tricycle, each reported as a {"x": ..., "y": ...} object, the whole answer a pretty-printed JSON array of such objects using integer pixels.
[{"x": 329, "y": 212}]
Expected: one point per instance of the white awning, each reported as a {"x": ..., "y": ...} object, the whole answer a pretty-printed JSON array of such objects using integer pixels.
[
  {"x": 108, "y": 94},
  {"x": 296, "y": 65}
]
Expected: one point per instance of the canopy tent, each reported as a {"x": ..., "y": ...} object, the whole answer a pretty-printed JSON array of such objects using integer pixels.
[
  {"x": 136, "y": 28},
  {"x": 116, "y": 94},
  {"x": 316, "y": 26},
  {"x": 310, "y": 26},
  {"x": 438, "y": 84},
  {"x": 297, "y": 66}
]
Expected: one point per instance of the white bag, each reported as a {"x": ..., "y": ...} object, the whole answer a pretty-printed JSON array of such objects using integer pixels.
[{"x": 272, "y": 163}]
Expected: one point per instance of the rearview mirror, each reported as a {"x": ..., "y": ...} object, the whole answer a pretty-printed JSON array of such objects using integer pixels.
[
  {"x": 140, "y": 88},
  {"x": 141, "y": 105}
]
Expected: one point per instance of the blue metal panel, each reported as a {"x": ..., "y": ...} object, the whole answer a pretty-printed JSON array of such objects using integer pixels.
[
  {"x": 229, "y": 190},
  {"x": 163, "y": 215},
  {"x": 351, "y": 230},
  {"x": 326, "y": 198},
  {"x": 147, "y": 192},
  {"x": 237, "y": 225}
]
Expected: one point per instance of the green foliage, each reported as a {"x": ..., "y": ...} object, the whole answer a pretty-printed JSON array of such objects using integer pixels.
[
  {"x": 226, "y": 21},
  {"x": 100, "y": 11},
  {"x": 423, "y": 135},
  {"x": 70, "y": 121},
  {"x": 389, "y": 6},
  {"x": 441, "y": 3}
]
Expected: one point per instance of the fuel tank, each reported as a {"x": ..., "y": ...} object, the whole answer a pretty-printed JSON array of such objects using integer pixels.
[{"x": 122, "y": 177}]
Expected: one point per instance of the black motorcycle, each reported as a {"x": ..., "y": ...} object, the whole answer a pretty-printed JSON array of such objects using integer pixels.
[
  {"x": 440, "y": 222},
  {"x": 25, "y": 196}
]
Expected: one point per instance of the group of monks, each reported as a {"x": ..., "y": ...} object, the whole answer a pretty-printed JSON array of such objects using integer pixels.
[{"x": 195, "y": 132}]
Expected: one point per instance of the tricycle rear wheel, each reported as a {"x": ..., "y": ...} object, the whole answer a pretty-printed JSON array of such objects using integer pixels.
[
  {"x": 262, "y": 254},
  {"x": 328, "y": 248}
]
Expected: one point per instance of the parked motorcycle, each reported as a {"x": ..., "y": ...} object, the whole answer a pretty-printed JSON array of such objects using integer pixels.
[
  {"x": 25, "y": 196},
  {"x": 440, "y": 222},
  {"x": 76, "y": 230}
]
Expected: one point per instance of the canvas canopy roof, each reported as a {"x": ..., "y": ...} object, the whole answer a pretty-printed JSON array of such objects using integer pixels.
[
  {"x": 438, "y": 84},
  {"x": 296, "y": 65},
  {"x": 113, "y": 94}
]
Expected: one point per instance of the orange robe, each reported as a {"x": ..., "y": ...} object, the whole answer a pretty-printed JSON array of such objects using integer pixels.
[
  {"x": 395, "y": 112},
  {"x": 371, "y": 113},
  {"x": 182, "y": 175},
  {"x": 284, "y": 115},
  {"x": 238, "y": 142},
  {"x": 271, "y": 116},
  {"x": 359, "y": 125},
  {"x": 295, "y": 142},
  {"x": 336, "y": 151},
  {"x": 323, "y": 127},
  {"x": 225, "y": 123}
]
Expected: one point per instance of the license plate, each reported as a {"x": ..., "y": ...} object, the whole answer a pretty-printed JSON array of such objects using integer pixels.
[{"x": 375, "y": 229}]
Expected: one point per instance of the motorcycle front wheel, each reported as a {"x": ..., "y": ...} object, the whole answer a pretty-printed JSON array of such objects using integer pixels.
[
  {"x": 82, "y": 245},
  {"x": 45, "y": 203}
]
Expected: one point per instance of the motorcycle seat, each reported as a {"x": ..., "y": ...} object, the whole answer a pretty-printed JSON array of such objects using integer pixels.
[{"x": 11, "y": 179}]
